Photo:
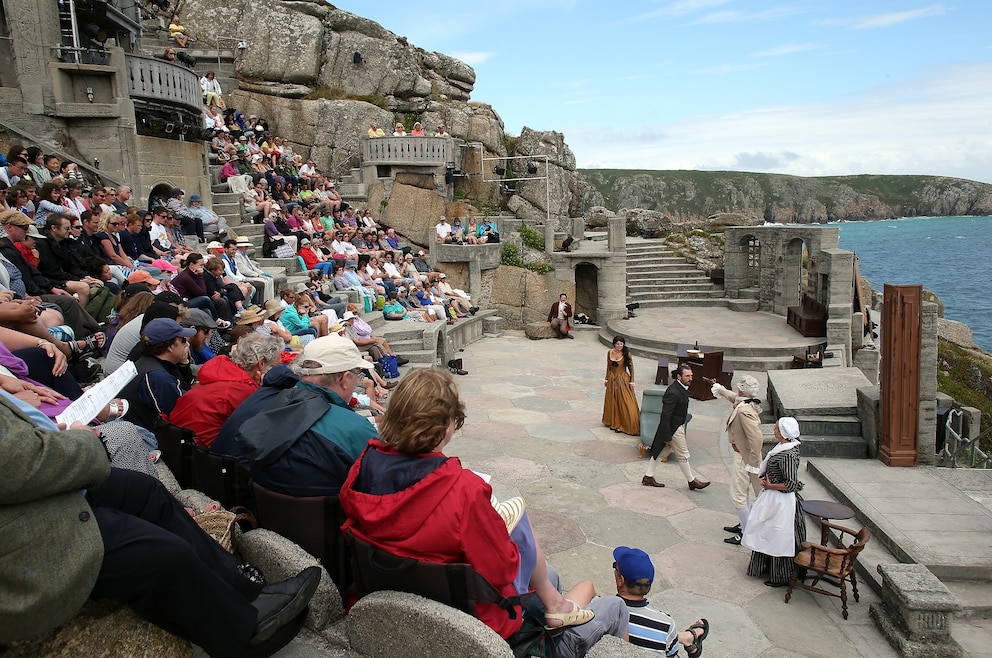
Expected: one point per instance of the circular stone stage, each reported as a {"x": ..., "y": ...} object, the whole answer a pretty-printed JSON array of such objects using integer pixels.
[{"x": 755, "y": 340}]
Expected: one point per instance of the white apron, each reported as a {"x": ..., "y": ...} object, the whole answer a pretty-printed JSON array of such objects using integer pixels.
[{"x": 771, "y": 523}]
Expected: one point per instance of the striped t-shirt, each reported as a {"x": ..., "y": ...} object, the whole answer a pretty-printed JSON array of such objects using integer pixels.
[{"x": 651, "y": 629}]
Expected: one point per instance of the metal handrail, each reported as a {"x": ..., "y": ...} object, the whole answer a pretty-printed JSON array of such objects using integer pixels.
[
  {"x": 957, "y": 447},
  {"x": 101, "y": 175}
]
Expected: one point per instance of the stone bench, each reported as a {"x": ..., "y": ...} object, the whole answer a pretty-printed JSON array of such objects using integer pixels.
[{"x": 916, "y": 612}]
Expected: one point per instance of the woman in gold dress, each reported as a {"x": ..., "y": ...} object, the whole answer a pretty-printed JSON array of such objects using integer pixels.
[{"x": 620, "y": 410}]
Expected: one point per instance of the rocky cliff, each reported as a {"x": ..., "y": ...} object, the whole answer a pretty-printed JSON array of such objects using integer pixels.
[{"x": 690, "y": 197}]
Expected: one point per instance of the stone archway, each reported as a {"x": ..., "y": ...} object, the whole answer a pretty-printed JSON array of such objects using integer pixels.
[
  {"x": 159, "y": 195},
  {"x": 752, "y": 258},
  {"x": 586, "y": 289}
]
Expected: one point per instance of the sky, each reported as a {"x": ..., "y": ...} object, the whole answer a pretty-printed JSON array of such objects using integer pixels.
[{"x": 802, "y": 87}]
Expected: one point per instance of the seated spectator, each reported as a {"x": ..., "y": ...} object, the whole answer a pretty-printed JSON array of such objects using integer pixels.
[
  {"x": 133, "y": 543},
  {"x": 200, "y": 351},
  {"x": 110, "y": 245},
  {"x": 399, "y": 131},
  {"x": 140, "y": 308},
  {"x": 275, "y": 380},
  {"x": 211, "y": 89},
  {"x": 648, "y": 627},
  {"x": 241, "y": 265},
  {"x": 314, "y": 258},
  {"x": 37, "y": 172},
  {"x": 487, "y": 232},
  {"x": 441, "y": 512},
  {"x": 223, "y": 384},
  {"x": 359, "y": 331},
  {"x": 297, "y": 320},
  {"x": 178, "y": 32},
  {"x": 414, "y": 311},
  {"x": 218, "y": 287},
  {"x": 191, "y": 224},
  {"x": 441, "y": 132},
  {"x": 212, "y": 222},
  {"x": 418, "y": 130},
  {"x": 427, "y": 272},
  {"x": 16, "y": 167},
  {"x": 58, "y": 261},
  {"x": 470, "y": 231},
  {"x": 50, "y": 200},
  {"x": 190, "y": 284},
  {"x": 310, "y": 458},
  {"x": 457, "y": 231},
  {"x": 230, "y": 170},
  {"x": 444, "y": 291},
  {"x": 156, "y": 389},
  {"x": 376, "y": 131}
]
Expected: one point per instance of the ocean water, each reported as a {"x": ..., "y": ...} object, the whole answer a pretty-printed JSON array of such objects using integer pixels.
[{"x": 951, "y": 256}]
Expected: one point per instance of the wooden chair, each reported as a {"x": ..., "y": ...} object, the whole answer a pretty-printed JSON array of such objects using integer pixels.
[
  {"x": 176, "y": 444},
  {"x": 830, "y": 562},
  {"x": 311, "y": 522},
  {"x": 220, "y": 477},
  {"x": 661, "y": 376}
]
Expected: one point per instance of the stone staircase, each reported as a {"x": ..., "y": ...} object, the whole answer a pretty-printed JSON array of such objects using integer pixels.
[
  {"x": 657, "y": 277},
  {"x": 836, "y": 437}
]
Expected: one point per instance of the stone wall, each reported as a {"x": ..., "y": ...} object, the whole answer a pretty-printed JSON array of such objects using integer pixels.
[
  {"x": 927, "y": 444},
  {"x": 522, "y": 296},
  {"x": 173, "y": 164}
]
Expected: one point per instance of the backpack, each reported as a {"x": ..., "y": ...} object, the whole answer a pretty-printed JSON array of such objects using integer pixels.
[
  {"x": 389, "y": 366},
  {"x": 533, "y": 639}
]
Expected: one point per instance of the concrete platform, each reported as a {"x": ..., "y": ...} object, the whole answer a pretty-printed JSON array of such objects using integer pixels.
[
  {"x": 917, "y": 514},
  {"x": 815, "y": 392}
]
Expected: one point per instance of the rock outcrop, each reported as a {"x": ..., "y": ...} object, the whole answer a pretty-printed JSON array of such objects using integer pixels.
[
  {"x": 332, "y": 49},
  {"x": 533, "y": 199}
]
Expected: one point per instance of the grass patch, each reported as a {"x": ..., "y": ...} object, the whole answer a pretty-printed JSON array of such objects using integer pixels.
[
  {"x": 511, "y": 256},
  {"x": 968, "y": 380},
  {"x": 531, "y": 237}
]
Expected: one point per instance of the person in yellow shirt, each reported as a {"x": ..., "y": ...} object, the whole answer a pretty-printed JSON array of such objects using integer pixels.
[
  {"x": 376, "y": 131},
  {"x": 178, "y": 32}
]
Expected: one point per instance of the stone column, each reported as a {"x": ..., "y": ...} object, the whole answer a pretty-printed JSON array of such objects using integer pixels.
[{"x": 928, "y": 386}]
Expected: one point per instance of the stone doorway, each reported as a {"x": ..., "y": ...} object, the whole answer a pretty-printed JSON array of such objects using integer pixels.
[{"x": 586, "y": 289}]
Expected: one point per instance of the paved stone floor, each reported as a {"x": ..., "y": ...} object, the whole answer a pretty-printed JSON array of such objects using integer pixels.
[{"x": 533, "y": 424}]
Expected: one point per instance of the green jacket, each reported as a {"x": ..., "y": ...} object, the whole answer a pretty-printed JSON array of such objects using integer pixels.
[{"x": 50, "y": 545}]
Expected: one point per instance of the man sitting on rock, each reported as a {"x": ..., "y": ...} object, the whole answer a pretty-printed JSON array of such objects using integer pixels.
[{"x": 74, "y": 528}]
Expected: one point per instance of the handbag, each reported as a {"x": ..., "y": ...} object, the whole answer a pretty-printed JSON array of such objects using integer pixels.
[
  {"x": 220, "y": 524},
  {"x": 284, "y": 251}
]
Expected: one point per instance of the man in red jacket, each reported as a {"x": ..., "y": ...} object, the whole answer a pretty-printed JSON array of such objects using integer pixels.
[{"x": 224, "y": 383}]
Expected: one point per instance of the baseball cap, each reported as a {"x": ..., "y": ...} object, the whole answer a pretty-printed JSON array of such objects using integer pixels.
[
  {"x": 162, "y": 330},
  {"x": 33, "y": 232},
  {"x": 198, "y": 318},
  {"x": 214, "y": 245},
  {"x": 633, "y": 564},
  {"x": 164, "y": 265},
  {"x": 305, "y": 241},
  {"x": 143, "y": 276},
  {"x": 195, "y": 197},
  {"x": 334, "y": 354},
  {"x": 168, "y": 297}
]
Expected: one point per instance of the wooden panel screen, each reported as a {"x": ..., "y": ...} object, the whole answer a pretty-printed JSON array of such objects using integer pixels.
[{"x": 902, "y": 329}]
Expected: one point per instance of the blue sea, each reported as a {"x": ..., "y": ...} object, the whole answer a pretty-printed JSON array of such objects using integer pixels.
[{"x": 950, "y": 256}]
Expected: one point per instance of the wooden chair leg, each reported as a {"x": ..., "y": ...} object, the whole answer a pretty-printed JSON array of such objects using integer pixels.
[
  {"x": 854, "y": 586},
  {"x": 843, "y": 598},
  {"x": 792, "y": 583}
]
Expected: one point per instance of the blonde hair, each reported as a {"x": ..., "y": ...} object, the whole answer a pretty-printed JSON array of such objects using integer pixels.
[{"x": 420, "y": 411}]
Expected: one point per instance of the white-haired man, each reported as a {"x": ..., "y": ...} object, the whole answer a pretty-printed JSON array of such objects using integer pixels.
[{"x": 744, "y": 434}]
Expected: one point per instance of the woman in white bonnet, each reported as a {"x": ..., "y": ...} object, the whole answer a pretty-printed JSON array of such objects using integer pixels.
[{"x": 775, "y": 526}]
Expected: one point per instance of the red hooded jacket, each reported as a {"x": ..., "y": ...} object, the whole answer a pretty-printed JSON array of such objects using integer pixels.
[{"x": 207, "y": 406}]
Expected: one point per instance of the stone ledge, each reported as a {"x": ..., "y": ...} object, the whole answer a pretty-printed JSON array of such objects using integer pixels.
[{"x": 916, "y": 612}]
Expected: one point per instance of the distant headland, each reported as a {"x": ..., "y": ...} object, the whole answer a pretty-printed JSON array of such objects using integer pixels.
[{"x": 693, "y": 196}]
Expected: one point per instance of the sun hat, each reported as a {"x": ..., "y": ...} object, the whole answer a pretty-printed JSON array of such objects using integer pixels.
[
  {"x": 633, "y": 564},
  {"x": 253, "y": 315},
  {"x": 347, "y": 316},
  {"x": 164, "y": 265},
  {"x": 334, "y": 354},
  {"x": 244, "y": 242},
  {"x": 162, "y": 330},
  {"x": 302, "y": 287},
  {"x": 273, "y": 307},
  {"x": 335, "y": 328},
  {"x": 33, "y": 232}
]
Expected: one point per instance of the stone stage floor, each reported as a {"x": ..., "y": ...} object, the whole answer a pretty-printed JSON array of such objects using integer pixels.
[{"x": 533, "y": 423}]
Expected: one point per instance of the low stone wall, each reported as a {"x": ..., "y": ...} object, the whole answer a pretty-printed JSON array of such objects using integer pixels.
[{"x": 916, "y": 612}]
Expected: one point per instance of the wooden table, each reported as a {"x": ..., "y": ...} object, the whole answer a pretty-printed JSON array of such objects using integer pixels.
[{"x": 826, "y": 509}]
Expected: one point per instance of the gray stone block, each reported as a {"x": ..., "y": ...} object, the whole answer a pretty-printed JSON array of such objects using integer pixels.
[
  {"x": 193, "y": 498},
  {"x": 916, "y": 611},
  {"x": 279, "y": 558},
  {"x": 492, "y": 325},
  {"x": 387, "y": 624},
  {"x": 539, "y": 330}
]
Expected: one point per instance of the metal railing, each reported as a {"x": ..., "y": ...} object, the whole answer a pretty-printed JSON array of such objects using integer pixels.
[
  {"x": 959, "y": 451},
  {"x": 160, "y": 81},
  {"x": 406, "y": 150},
  {"x": 102, "y": 176}
]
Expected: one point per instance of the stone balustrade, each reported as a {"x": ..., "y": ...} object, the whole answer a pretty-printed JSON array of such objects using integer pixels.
[{"x": 159, "y": 81}]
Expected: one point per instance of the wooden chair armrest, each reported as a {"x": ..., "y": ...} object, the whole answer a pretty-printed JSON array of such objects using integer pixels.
[
  {"x": 826, "y": 549},
  {"x": 841, "y": 529}
]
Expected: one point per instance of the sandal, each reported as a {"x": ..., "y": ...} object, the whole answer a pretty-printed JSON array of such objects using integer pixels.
[
  {"x": 116, "y": 410},
  {"x": 695, "y": 649},
  {"x": 576, "y": 617}
]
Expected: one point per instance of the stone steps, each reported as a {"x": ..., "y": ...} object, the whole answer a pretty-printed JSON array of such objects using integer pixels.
[
  {"x": 654, "y": 274},
  {"x": 833, "y": 446}
]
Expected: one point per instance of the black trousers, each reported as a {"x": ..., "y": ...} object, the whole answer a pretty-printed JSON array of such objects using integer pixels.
[
  {"x": 83, "y": 324},
  {"x": 158, "y": 561},
  {"x": 40, "y": 369}
]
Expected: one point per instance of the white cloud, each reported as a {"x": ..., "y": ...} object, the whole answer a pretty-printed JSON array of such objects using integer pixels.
[
  {"x": 937, "y": 124},
  {"x": 886, "y": 20},
  {"x": 680, "y": 9},
  {"x": 473, "y": 58},
  {"x": 786, "y": 49},
  {"x": 726, "y": 68},
  {"x": 775, "y": 13}
]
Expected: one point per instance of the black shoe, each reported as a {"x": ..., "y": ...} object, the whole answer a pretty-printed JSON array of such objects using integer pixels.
[
  {"x": 735, "y": 540},
  {"x": 733, "y": 529},
  {"x": 280, "y": 603},
  {"x": 769, "y": 583},
  {"x": 473, "y": 310},
  {"x": 400, "y": 361}
]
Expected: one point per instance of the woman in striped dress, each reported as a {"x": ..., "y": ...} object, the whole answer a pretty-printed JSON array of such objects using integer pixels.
[{"x": 775, "y": 526}]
